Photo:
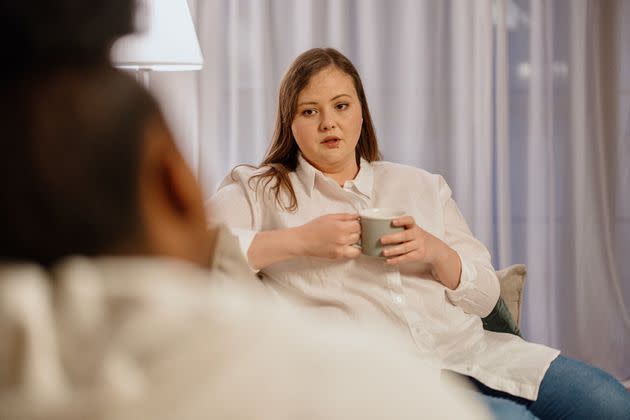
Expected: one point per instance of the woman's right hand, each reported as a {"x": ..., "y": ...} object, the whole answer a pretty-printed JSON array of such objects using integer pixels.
[{"x": 331, "y": 236}]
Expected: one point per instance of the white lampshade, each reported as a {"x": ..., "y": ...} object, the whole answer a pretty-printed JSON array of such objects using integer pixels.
[{"x": 165, "y": 39}]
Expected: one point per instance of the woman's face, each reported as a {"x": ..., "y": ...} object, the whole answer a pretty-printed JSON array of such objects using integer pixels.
[{"x": 327, "y": 122}]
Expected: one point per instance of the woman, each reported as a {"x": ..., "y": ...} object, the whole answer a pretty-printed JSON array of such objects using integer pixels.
[{"x": 297, "y": 222}]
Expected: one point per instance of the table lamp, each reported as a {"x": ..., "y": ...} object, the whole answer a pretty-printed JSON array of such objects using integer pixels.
[{"x": 165, "y": 40}]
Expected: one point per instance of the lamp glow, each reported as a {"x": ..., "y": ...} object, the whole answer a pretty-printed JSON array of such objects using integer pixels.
[{"x": 165, "y": 39}]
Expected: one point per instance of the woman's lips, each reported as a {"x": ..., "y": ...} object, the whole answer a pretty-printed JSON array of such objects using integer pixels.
[{"x": 331, "y": 143}]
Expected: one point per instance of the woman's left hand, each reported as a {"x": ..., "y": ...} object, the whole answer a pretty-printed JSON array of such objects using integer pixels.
[
  {"x": 415, "y": 244},
  {"x": 412, "y": 244}
]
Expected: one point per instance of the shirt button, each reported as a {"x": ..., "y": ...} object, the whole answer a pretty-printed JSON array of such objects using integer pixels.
[{"x": 399, "y": 299}]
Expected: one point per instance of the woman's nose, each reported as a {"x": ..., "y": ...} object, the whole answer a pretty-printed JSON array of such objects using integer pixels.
[{"x": 327, "y": 122}]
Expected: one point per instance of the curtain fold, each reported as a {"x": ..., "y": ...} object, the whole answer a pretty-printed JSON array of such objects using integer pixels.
[
  {"x": 501, "y": 111},
  {"x": 541, "y": 200},
  {"x": 593, "y": 222},
  {"x": 513, "y": 101}
]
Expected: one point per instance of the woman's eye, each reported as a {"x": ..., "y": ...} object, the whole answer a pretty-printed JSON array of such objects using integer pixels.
[
  {"x": 308, "y": 112},
  {"x": 341, "y": 106}
]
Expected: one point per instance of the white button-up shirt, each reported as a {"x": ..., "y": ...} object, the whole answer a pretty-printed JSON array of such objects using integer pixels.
[{"x": 439, "y": 322}]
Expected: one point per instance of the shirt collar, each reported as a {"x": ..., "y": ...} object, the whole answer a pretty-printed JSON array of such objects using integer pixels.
[
  {"x": 363, "y": 182},
  {"x": 306, "y": 173}
]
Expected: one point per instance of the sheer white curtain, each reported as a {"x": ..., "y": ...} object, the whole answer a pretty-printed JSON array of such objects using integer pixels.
[
  {"x": 522, "y": 105},
  {"x": 569, "y": 155}
]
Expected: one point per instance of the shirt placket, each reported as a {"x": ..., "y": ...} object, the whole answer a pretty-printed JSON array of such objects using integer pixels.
[
  {"x": 421, "y": 336},
  {"x": 355, "y": 199}
]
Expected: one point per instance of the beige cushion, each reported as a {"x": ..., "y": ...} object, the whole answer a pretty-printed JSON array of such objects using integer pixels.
[{"x": 512, "y": 280}]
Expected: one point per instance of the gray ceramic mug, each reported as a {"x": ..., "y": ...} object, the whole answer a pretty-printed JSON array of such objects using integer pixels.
[{"x": 375, "y": 223}]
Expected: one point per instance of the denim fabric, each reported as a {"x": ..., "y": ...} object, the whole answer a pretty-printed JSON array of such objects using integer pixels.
[
  {"x": 505, "y": 409},
  {"x": 570, "y": 390}
]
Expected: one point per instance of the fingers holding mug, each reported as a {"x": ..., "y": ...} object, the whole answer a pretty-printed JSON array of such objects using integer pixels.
[{"x": 375, "y": 223}]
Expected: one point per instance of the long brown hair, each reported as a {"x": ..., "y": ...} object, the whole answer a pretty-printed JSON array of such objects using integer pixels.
[{"x": 282, "y": 156}]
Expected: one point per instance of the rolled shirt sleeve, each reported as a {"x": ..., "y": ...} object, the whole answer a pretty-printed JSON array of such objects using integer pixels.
[
  {"x": 233, "y": 206},
  {"x": 245, "y": 238},
  {"x": 478, "y": 290}
]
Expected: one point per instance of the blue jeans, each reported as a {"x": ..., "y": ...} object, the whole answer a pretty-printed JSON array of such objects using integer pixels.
[{"x": 570, "y": 389}]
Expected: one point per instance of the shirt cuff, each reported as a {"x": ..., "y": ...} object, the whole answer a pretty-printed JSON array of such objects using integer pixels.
[
  {"x": 245, "y": 238},
  {"x": 476, "y": 293},
  {"x": 466, "y": 284}
]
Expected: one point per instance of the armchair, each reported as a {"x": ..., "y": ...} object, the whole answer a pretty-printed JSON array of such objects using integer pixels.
[{"x": 506, "y": 315}]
